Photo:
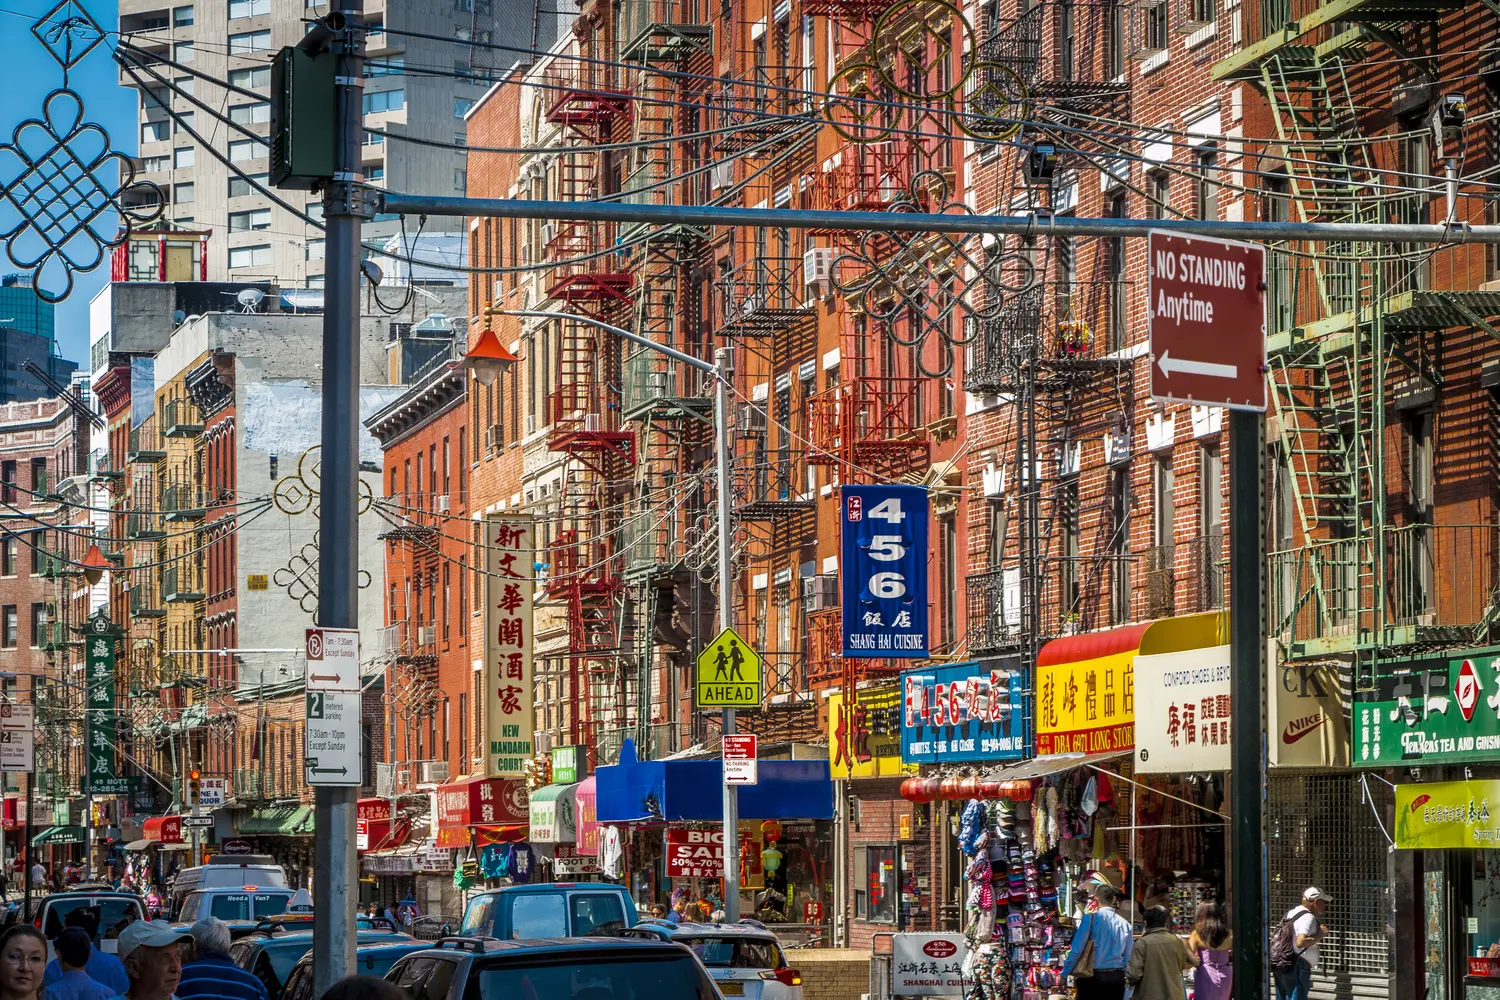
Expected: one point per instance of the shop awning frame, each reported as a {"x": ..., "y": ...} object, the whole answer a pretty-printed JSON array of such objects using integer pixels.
[
  {"x": 278, "y": 821},
  {"x": 679, "y": 791}
]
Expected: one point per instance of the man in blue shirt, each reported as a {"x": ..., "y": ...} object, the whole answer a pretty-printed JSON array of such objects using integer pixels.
[
  {"x": 73, "y": 982},
  {"x": 102, "y": 968},
  {"x": 1112, "y": 943},
  {"x": 213, "y": 974}
]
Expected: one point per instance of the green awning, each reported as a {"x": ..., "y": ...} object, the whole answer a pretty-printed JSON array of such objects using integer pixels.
[
  {"x": 58, "y": 835},
  {"x": 278, "y": 821}
]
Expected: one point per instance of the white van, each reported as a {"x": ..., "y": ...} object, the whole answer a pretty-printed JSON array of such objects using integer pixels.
[{"x": 225, "y": 871}]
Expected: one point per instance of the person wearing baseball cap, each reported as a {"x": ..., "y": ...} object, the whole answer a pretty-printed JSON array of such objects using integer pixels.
[
  {"x": 152, "y": 953},
  {"x": 1307, "y": 933}
]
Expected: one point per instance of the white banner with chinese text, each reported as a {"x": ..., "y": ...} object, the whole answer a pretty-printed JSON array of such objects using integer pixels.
[{"x": 1182, "y": 711}]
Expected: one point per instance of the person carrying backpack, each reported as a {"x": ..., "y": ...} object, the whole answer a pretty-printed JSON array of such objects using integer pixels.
[{"x": 1294, "y": 946}]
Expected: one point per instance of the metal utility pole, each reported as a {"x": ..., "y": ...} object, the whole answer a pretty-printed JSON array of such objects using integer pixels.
[
  {"x": 723, "y": 442},
  {"x": 1247, "y": 650},
  {"x": 335, "y": 885}
]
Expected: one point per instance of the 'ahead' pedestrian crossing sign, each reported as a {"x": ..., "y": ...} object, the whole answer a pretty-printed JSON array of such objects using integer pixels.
[{"x": 729, "y": 672}]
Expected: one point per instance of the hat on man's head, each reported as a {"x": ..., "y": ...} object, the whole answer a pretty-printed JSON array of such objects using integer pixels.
[
  {"x": 148, "y": 934},
  {"x": 1313, "y": 892}
]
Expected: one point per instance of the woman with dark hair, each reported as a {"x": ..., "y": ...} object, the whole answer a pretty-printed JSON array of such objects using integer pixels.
[
  {"x": 23, "y": 958},
  {"x": 1210, "y": 943}
]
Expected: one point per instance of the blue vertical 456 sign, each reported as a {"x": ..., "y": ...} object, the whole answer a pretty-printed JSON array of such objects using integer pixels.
[{"x": 885, "y": 571}]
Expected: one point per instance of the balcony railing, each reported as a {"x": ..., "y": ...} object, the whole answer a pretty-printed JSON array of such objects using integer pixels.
[
  {"x": 181, "y": 584},
  {"x": 180, "y": 418},
  {"x": 145, "y": 602},
  {"x": 763, "y": 295},
  {"x": 144, "y": 445},
  {"x": 143, "y": 527},
  {"x": 184, "y": 503},
  {"x": 1408, "y": 585},
  {"x": 1063, "y": 49},
  {"x": 767, "y": 490}
]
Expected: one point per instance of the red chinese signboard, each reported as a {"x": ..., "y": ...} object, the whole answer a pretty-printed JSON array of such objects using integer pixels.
[
  {"x": 1207, "y": 311},
  {"x": 482, "y": 802},
  {"x": 695, "y": 853},
  {"x": 509, "y": 587}
]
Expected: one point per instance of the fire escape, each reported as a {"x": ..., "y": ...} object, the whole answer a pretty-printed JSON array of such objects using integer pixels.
[{"x": 1354, "y": 343}]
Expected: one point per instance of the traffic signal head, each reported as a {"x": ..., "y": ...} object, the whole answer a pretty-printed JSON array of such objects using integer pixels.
[{"x": 193, "y": 786}]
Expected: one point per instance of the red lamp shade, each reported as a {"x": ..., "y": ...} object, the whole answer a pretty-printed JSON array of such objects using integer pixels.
[
  {"x": 94, "y": 565},
  {"x": 489, "y": 358}
]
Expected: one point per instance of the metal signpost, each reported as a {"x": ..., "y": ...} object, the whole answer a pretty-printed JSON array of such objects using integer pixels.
[{"x": 1206, "y": 306}]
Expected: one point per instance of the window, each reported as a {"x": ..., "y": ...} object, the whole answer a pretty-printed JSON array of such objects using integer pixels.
[
  {"x": 241, "y": 187},
  {"x": 948, "y": 551},
  {"x": 1161, "y": 193},
  {"x": 1117, "y": 286},
  {"x": 155, "y": 97},
  {"x": 155, "y": 164},
  {"x": 255, "y": 76},
  {"x": 256, "y": 218},
  {"x": 384, "y": 100},
  {"x": 374, "y": 173},
  {"x": 1206, "y": 182},
  {"x": 1119, "y": 543},
  {"x": 249, "y": 41},
  {"x": 184, "y": 85},
  {"x": 1156, "y": 27},
  {"x": 461, "y": 106},
  {"x": 241, "y": 150},
  {"x": 1202, "y": 11},
  {"x": 315, "y": 249},
  {"x": 314, "y": 210},
  {"x": 1419, "y": 471},
  {"x": 248, "y": 8},
  {"x": 876, "y": 890},
  {"x": 38, "y": 625},
  {"x": 250, "y": 114},
  {"x": 1163, "y": 483},
  {"x": 461, "y": 179},
  {"x": 182, "y": 194},
  {"x": 182, "y": 158},
  {"x": 388, "y": 66},
  {"x": 1116, "y": 63},
  {"x": 182, "y": 17},
  {"x": 1210, "y": 482},
  {"x": 182, "y": 52},
  {"x": 154, "y": 132},
  {"x": 8, "y": 556},
  {"x": 1069, "y": 591},
  {"x": 596, "y": 911},
  {"x": 9, "y": 627},
  {"x": 38, "y": 551},
  {"x": 536, "y": 915},
  {"x": 184, "y": 123},
  {"x": 256, "y": 256}
]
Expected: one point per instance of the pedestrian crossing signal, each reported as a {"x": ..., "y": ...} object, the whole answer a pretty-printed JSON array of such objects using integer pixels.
[{"x": 729, "y": 674}]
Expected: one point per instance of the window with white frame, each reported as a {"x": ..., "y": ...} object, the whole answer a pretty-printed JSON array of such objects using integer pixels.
[
  {"x": 256, "y": 218},
  {"x": 240, "y": 187},
  {"x": 255, "y": 256},
  {"x": 248, "y": 8},
  {"x": 253, "y": 76},
  {"x": 245, "y": 149},
  {"x": 246, "y": 42},
  {"x": 183, "y": 157},
  {"x": 250, "y": 114},
  {"x": 153, "y": 131}
]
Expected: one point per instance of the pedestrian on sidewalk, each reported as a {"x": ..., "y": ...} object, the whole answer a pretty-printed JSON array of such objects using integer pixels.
[
  {"x": 1212, "y": 943},
  {"x": 1159, "y": 959},
  {"x": 1107, "y": 934},
  {"x": 152, "y": 953},
  {"x": 213, "y": 975},
  {"x": 73, "y": 981},
  {"x": 1294, "y": 982},
  {"x": 23, "y": 955}
]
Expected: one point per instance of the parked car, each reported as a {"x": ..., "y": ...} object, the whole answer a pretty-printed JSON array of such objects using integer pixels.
[
  {"x": 271, "y": 951},
  {"x": 595, "y": 968},
  {"x": 549, "y": 910},
  {"x": 117, "y": 910},
  {"x": 745, "y": 959},
  {"x": 241, "y": 908},
  {"x": 225, "y": 871},
  {"x": 369, "y": 960}
]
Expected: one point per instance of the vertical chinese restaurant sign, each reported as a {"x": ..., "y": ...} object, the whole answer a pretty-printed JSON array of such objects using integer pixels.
[
  {"x": 864, "y": 738},
  {"x": 963, "y": 712},
  {"x": 1438, "y": 710},
  {"x": 1436, "y": 815},
  {"x": 509, "y": 557},
  {"x": 1182, "y": 711},
  {"x": 100, "y": 664},
  {"x": 884, "y": 566}
]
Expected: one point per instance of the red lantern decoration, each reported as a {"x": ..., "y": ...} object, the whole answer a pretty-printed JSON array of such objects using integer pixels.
[
  {"x": 948, "y": 789},
  {"x": 911, "y": 790},
  {"x": 989, "y": 788},
  {"x": 968, "y": 788},
  {"x": 931, "y": 789}
]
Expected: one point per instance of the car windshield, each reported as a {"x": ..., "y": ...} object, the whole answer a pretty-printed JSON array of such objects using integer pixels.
[
  {"x": 114, "y": 914},
  {"x": 735, "y": 952},
  {"x": 237, "y": 905},
  {"x": 477, "y": 917},
  {"x": 579, "y": 977}
]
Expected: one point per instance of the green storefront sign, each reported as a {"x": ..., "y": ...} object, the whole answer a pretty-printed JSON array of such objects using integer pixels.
[
  {"x": 1432, "y": 710},
  {"x": 100, "y": 664}
]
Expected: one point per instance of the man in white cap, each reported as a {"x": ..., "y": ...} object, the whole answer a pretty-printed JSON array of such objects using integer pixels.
[
  {"x": 1295, "y": 983},
  {"x": 152, "y": 953}
]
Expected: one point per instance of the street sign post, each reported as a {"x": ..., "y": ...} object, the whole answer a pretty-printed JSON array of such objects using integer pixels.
[
  {"x": 1207, "y": 321},
  {"x": 740, "y": 765},
  {"x": 191, "y": 821},
  {"x": 333, "y": 738},
  {"x": 17, "y": 737},
  {"x": 333, "y": 659},
  {"x": 729, "y": 673}
]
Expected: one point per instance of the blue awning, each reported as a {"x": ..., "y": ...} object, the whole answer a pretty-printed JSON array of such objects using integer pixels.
[{"x": 673, "y": 791}]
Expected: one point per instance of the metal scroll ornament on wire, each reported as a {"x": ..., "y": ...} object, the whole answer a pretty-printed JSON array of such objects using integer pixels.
[
  {"x": 300, "y": 493},
  {"x": 930, "y": 283},
  {"x": 299, "y": 578},
  {"x": 64, "y": 189}
]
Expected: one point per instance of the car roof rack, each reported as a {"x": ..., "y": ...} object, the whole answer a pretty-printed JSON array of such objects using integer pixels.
[{"x": 461, "y": 943}]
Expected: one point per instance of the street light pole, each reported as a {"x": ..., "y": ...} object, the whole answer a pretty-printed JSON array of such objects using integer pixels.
[{"x": 720, "y": 374}]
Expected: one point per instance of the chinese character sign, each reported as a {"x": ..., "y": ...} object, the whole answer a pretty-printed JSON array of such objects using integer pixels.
[
  {"x": 864, "y": 738},
  {"x": 509, "y": 558},
  {"x": 100, "y": 667},
  {"x": 963, "y": 712},
  {"x": 1182, "y": 717},
  {"x": 695, "y": 853},
  {"x": 884, "y": 571},
  {"x": 1085, "y": 706},
  {"x": 1436, "y": 710}
]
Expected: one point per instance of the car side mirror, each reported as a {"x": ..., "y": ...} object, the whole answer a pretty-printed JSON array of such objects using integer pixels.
[{"x": 447, "y": 930}]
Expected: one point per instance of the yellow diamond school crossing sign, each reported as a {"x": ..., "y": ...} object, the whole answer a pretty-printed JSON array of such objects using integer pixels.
[{"x": 729, "y": 672}]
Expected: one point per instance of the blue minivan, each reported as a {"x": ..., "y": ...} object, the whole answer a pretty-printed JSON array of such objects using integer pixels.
[{"x": 549, "y": 910}]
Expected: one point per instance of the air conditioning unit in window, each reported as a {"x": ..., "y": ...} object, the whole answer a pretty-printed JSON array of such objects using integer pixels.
[
  {"x": 492, "y": 437},
  {"x": 549, "y": 232},
  {"x": 821, "y": 592},
  {"x": 434, "y": 771},
  {"x": 817, "y": 267},
  {"x": 427, "y": 635},
  {"x": 442, "y": 503}
]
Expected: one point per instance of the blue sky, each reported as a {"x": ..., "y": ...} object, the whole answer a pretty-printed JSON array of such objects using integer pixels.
[{"x": 30, "y": 74}]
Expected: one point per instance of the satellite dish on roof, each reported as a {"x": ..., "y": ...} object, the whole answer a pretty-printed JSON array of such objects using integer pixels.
[
  {"x": 179, "y": 317},
  {"x": 249, "y": 298}
]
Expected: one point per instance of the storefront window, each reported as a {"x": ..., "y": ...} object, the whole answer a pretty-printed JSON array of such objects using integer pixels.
[{"x": 875, "y": 888}]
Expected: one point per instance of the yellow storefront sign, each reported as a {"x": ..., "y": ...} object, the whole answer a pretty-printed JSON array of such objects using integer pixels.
[
  {"x": 864, "y": 740},
  {"x": 1443, "y": 814}
]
